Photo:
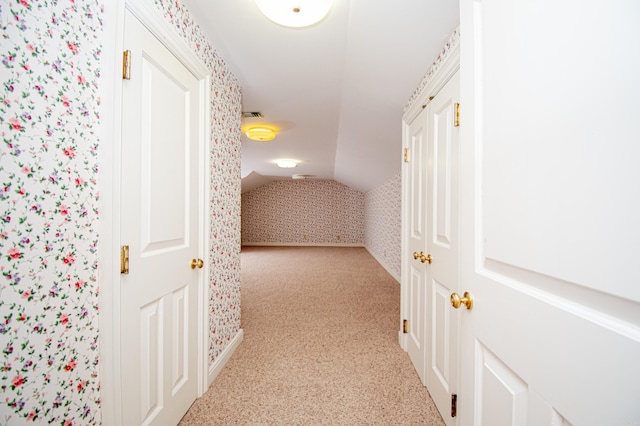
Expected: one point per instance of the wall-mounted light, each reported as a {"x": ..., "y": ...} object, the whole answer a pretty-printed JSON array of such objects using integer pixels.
[
  {"x": 295, "y": 13},
  {"x": 287, "y": 164},
  {"x": 260, "y": 133}
]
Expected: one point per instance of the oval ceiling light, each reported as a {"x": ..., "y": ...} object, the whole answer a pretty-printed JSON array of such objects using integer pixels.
[
  {"x": 260, "y": 133},
  {"x": 295, "y": 13},
  {"x": 287, "y": 164}
]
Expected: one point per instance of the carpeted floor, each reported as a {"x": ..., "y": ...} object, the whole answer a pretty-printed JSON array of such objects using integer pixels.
[{"x": 320, "y": 346}]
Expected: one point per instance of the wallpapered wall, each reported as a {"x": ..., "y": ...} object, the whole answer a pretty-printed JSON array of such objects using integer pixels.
[
  {"x": 49, "y": 113},
  {"x": 303, "y": 212},
  {"x": 49, "y": 119},
  {"x": 383, "y": 222},
  {"x": 284, "y": 212}
]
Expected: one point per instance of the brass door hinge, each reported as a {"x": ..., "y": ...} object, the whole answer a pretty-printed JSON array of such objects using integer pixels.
[
  {"x": 456, "y": 122},
  {"x": 124, "y": 260},
  {"x": 126, "y": 65},
  {"x": 406, "y": 155},
  {"x": 405, "y": 326},
  {"x": 454, "y": 405}
]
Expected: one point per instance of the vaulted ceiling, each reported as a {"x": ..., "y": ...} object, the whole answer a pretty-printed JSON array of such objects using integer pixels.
[{"x": 335, "y": 90}]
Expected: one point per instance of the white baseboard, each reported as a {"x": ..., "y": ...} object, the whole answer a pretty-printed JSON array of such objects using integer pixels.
[
  {"x": 402, "y": 340},
  {"x": 303, "y": 244},
  {"x": 218, "y": 365},
  {"x": 380, "y": 261}
]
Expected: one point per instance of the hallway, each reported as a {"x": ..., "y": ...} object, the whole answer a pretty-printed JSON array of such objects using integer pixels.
[{"x": 320, "y": 346}]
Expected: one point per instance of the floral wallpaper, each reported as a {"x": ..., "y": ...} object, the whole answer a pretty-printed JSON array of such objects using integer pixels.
[
  {"x": 454, "y": 40},
  {"x": 224, "y": 204},
  {"x": 51, "y": 56},
  {"x": 49, "y": 116},
  {"x": 383, "y": 222},
  {"x": 313, "y": 212},
  {"x": 303, "y": 212}
]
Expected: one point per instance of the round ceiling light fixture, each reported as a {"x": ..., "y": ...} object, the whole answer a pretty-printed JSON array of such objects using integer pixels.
[
  {"x": 295, "y": 13},
  {"x": 286, "y": 164},
  {"x": 260, "y": 133}
]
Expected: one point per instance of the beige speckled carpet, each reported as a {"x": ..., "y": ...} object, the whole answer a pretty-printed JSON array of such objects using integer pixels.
[{"x": 320, "y": 346}]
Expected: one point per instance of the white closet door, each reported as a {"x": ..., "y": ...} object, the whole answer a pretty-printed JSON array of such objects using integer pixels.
[
  {"x": 416, "y": 275},
  {"x": 549, "y": 214},
  {"x": 160, "y": 223},
  {"x": 443, "y": 246}
]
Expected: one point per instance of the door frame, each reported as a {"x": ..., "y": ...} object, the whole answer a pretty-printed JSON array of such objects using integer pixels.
[
  {"x": 440, "y": 76},
  {"x": 110, "y": 151}
]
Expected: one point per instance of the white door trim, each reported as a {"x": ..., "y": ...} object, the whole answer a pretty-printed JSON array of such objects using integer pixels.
[
  {"x": 150, "y": 16},
  {"x": 109, "y": 220},
  {"x": 204, "y": 206},
  {"x": 110, "y": 223},
  {"x": 440, "y": 77}
]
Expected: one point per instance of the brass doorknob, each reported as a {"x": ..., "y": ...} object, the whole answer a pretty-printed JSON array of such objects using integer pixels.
[
  {"x": 467, "y": 300},
  {"x": 197, "y": 263},
  {"x": 426, "y": 258},
  {"x": 422, "y": 257}
]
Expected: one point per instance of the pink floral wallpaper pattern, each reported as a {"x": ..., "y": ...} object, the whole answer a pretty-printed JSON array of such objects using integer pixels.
[
  {"x": 383, "y": 222},
  {"x": 315, "y": 212},
  {"x": 49, "y": 116},
  {"x": 49, "y": 205},
  {"x": 303, "y": 212}
]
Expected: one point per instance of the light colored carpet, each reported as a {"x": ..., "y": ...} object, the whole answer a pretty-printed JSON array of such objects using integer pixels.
[{"x": 320, "y": 346}]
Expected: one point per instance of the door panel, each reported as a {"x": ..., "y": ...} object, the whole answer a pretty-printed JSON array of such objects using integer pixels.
[
  {"x": 416, "y": 320},
  {"x": 164, "y": 169},
  {"x": 151, "y": 338},
  {"x": 417, "y": 242},
  {"x": 508, "y": 402},
  {"x": 440, "y": 356},
  {"x": 549, "y": 220},
  {"x": 160, "y": 223},
  {"x": 442, "y": 229},
  {"x": 180, "y": 347}
]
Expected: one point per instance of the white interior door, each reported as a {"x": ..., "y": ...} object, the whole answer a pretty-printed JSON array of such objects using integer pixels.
[
  {"x": 549, "y": 220},
  {"x": 415, "y": 205},
  {"x": 160, "y": 225},
  {"x": 443, "y": 245}
]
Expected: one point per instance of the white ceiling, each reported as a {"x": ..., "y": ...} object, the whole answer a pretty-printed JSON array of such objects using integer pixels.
[{"x": 336, "y": 90}]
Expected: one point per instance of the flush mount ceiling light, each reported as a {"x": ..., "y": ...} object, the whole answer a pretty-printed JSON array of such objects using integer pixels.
[
  {"x": 295, "y": 13},
  {"x": 260, "y": 133},
  {"x": 287, "y": 164}
]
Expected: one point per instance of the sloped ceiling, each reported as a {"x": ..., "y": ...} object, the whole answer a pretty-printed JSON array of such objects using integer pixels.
[{"x": 335, "y": 90}]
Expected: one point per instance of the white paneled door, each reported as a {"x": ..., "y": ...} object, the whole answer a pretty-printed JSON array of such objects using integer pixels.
[
  {"x": 415, "y": 217},
  {"x": 444, "y": 247},
  {"x": 549, "y": 216},
  {"x": 431, "y": 241},
  {"x": 159, "y": 214}
]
